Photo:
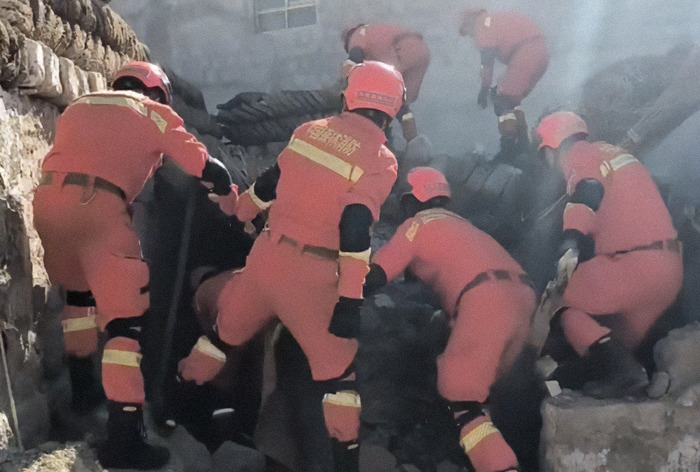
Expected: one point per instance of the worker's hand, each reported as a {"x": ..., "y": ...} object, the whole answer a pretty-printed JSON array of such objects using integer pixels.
[
  {"x": 341, "y": 411},
  {"x": 345, "y": 322},
  {"x": 203, "y": 364},
  {"x": 482, "y": 100},
  {"x": 216, "y": 177},
  {"x": 227, "y": 203},
  {"x": 567, "y": 264}
]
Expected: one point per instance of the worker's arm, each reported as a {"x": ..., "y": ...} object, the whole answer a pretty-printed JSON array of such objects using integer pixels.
[
  {"x": 577, "y": 244},
  {"x": 353, "y": 266},
  {"x": 488, "y": 58},
  {"x": 259, "y": 196}
]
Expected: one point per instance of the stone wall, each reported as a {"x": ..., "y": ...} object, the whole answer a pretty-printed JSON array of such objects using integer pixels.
[{"x": 50, "y": 53}]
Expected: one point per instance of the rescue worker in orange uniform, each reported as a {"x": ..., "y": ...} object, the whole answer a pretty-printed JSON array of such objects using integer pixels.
[
  {"x": 308, "y": 267},
  {"x": 621, "y": 248},
  {"x": 107, "y": 145},
  {"x": 485, "y": 292},
  {"x": 517, "y": 42},
  {"x": 404, "y": 49}
]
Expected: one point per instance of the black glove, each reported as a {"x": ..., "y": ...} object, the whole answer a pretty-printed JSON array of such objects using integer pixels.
[
  {"x": 218, "y": 176},
  {"x": 345, "y": 322},
  {"x": 482, "y": 101},
  {"x": 376, "y": 279}
]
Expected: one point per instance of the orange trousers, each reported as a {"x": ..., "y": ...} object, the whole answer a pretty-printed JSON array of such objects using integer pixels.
[
  {"x": 89, "y": 244},
  {"x": 524, "y": 70},
  {"x": 636, "y": 288},
  {"x": 488, "y": 333},
  {"x": 300, "y": 289}
]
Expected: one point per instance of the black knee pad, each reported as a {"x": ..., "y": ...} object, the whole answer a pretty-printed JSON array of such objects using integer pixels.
[
  {"x": 83, "y": 299},
  {"x": 465, "y": 412},
  {"x": 339, "y": 384},
  {"x": 126, "y": 327},
  {"x": 503, "y": 104}
]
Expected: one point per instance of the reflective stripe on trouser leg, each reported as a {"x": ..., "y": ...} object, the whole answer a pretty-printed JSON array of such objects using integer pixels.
[
  {"x": 121, "y": 372},
  {"x": 79, "y": 330},
  {"x": 486, "y": 448}
]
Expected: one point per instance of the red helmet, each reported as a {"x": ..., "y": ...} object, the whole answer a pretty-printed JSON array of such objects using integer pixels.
[
  {"x": 428, "y": 183},
  {"x": 555, "y": 128},
  {"x": 375, "y": 85},
  {"x": 151, "y": 75}
]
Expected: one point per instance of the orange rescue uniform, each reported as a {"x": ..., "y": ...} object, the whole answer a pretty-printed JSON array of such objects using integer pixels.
[
  {"x": 293, "y": 271},
  {"x": 400, "y": 47},
  {"x": 519, "y": 44},
  {"x": 107, "y": 145},
  {"x": 481, "y": 287},
  {"x": 637, "y": 270}
]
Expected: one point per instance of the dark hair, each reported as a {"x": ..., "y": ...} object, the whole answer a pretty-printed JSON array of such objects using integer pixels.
[{"x": 132, "y": 83}]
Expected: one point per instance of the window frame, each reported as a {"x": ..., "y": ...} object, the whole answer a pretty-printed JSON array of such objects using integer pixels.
[{"x": 286, "y": 8}]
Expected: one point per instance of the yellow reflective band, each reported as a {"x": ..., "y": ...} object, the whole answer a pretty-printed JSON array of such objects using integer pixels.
[
  {"x": 258, "y": 203},
  {"x": 79, "y": 324},
  {"x": 123, "y": 99},
  {"x": 125, "y": 358},
  {"x": 360, "y": 256},
  {"x": 476, "y": 435},
  {"x": 205, "y": 346},
  {"x": 343, "y": 398},
  {"x": 412, "y": 231},
  {"x": 407, "y": 116},
  {"x": 571, "y": 206},
  {"x": 160, "y": 122},
  {"x": 616, "y": 163},
  {"x": 326, "y": 159},
  {"x": 507, "y": 117}
]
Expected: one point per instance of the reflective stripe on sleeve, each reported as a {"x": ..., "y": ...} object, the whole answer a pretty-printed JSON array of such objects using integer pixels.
[
  {"x": 571, "y": 206},
  {"x": 326, "y": 159},
  {"x": 476, "y": 435},
  {"x": 363, "y": 256},
  {"x": 616, "y": 163},
  {"x": 125, "y": 358},
  {"x": 258, "y": 203},
  {"x": 79, "y": 324}
]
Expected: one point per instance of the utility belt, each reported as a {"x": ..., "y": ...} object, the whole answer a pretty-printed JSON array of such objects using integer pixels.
[
  {"x": 672, "y": 245},
  {"x": 84, "y": 180},
  {"x": 318, "y": 251},
  {"x": 492, "y": 276}
]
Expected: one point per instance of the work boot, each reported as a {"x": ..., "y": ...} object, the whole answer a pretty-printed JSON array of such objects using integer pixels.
[
  {"x": 619, "y": 373},
  {"x": 125, "y": 447},
  {"x": 346, "y": 456},
  {"x": 86, "y": 388}
]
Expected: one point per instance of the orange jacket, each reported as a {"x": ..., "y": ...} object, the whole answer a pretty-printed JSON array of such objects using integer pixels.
[
  {"x": 505, "y": 32},
  {"x": 311, "y": 196},
  {"x": 631, "y": 213},
  {"x": 444, "y": 251},
  {"x": 121, "y": 137}
]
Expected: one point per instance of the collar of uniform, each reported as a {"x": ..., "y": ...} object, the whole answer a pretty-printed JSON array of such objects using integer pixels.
[{"x": 366, "y": 125}]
